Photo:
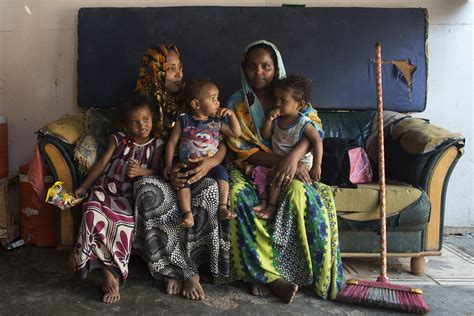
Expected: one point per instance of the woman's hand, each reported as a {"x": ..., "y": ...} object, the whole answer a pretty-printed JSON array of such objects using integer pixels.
[
  {"x": 202, "y": 167},
  {"x": 284, "y": 172},
  {"x": 303, "y": 173},
  {"x": 176, "y": 177}
]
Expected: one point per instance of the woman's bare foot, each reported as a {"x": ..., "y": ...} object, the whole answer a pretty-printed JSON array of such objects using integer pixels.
[
  {"x": 267, "y": 213},
  {"x": 173, "y": 286},
  {"x": 110, "y": 287},
  {"x": 192, "y": 289},
  {"x": 224, "y": 213},
  {"x": 284, "y": 290},
  {"x": 188, "y": 220},
  {"x": 260, "y": 206},
  {"x": 259, "y": 289}
]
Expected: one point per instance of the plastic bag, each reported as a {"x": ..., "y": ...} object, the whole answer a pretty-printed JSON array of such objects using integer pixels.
[
  {"x": 58, "y": 196},
  {"x": 361, "y": 169}
]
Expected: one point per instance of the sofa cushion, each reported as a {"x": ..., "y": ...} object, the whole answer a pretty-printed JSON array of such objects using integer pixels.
[
  {"x": 100, "y": 124},
  {"x": 69, "y": 128},
  {"x": 362, "y": 203},
  {"x": 418, "y": 136},
  {"x": 354, "y": 125}
]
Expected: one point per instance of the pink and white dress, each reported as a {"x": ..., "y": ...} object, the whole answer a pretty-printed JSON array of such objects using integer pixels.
[{"x": 107, "y": 227}]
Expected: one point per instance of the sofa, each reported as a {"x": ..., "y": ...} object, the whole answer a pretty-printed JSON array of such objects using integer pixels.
[
  {"x": 416, "y": 188},
  {"x": 419, "y": 156}
]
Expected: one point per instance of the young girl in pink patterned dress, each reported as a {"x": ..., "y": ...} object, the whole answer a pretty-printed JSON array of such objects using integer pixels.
[{"x": 106, "y": 231}]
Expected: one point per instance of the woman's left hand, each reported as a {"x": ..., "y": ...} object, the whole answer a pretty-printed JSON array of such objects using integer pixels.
[
  {"x": 285, "y": 170},
  {"x": 204, "y": 165},
  {"x": 302, "y": 173}
]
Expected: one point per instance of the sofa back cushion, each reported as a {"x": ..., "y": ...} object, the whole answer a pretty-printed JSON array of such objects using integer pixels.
[{"x": 355, "y": 125}]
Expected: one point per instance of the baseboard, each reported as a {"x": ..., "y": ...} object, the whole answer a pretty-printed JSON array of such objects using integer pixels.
[{"x": 458, "y": 230}]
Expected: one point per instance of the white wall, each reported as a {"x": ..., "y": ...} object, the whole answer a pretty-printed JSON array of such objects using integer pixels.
[{"x": 38, "y": 45}]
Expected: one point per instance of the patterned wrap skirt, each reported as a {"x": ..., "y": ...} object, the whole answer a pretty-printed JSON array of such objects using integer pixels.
[{"x": 172, "y": 251}]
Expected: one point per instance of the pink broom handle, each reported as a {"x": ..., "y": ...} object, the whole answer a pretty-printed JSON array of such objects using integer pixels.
[{"x": 383, "y": 213}]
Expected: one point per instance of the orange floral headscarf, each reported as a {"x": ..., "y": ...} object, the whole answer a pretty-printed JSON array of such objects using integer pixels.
[{"x": 151, "y": 82}]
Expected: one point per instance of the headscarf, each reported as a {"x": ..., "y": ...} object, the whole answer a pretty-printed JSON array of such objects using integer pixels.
[
  {"x": 151, "y": 81},
  {"x": 250, "y": 113}
]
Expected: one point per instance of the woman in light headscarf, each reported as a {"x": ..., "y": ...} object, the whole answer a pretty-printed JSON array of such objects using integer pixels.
[
  {"x": 299, "y": 246},
  {"x": 171, "y": 252}
]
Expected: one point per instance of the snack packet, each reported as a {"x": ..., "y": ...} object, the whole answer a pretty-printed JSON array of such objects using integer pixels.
[{"x": 58, "y": 196}]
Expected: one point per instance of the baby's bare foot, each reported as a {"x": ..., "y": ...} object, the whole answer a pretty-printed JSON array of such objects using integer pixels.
[
  {"x": 188, "y": 220},
  {"x": 192, "y": 289},
  {"x": 224, "y": 213},
  {"x": 260, "y": 206},
  {"x": 267, "y": 213}
]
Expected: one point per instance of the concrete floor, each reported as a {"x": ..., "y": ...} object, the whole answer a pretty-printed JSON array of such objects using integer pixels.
[{"x": 37, "y": 281}]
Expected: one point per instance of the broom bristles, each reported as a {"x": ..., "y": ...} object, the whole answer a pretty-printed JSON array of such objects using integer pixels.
[{"x": 384, "y": 295}]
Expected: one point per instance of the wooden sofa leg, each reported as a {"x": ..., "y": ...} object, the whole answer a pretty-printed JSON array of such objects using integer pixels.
[{"x": 417, "y": 265}]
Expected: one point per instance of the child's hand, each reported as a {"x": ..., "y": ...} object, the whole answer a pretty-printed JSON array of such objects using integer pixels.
[
  {"x": 315, "y": 172},
  {"x": 80, "y": 192},
  {"x": 134, "y": 169},
  {"x": 223, "y": 112},
  {"x": 273, "y": 114},
  {"x": 166, "y": 172}
]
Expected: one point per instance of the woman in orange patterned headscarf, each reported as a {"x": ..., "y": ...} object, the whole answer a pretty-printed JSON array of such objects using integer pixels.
[
  {"x": 173, "y": 254},
  {"x": 160, "y": 76}
]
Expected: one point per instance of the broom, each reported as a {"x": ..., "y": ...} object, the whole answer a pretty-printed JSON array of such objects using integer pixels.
[{"x": 382, "y": 293}]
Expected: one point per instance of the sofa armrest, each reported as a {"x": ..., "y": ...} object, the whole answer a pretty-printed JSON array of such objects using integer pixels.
[
  {"x": 59, "y": 157},
  {"x": 429, "y": 170},
  {"x": 413, "y": 151}
]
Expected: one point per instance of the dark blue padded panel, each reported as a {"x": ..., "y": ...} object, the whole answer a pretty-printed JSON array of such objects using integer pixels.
[{"x": 333, "y": 46}]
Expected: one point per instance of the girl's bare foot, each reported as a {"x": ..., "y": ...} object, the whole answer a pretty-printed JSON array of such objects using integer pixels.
[
  {"x": 192, "y": 289},
  {"x": 188, "y": 220},
  {"x": 224, "y": 213},
  {"x": 110, "y": 287},
  {"x": 267, "y": 213},
  {"x": 260, "y": 206},
  {"x": 72, "y": 262},
  {"x": 173, "y": 286},
  {"x": 259, "y": 289},
  {"x": 111, "y": 297},
  {"x": 284, "y": 290}
]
